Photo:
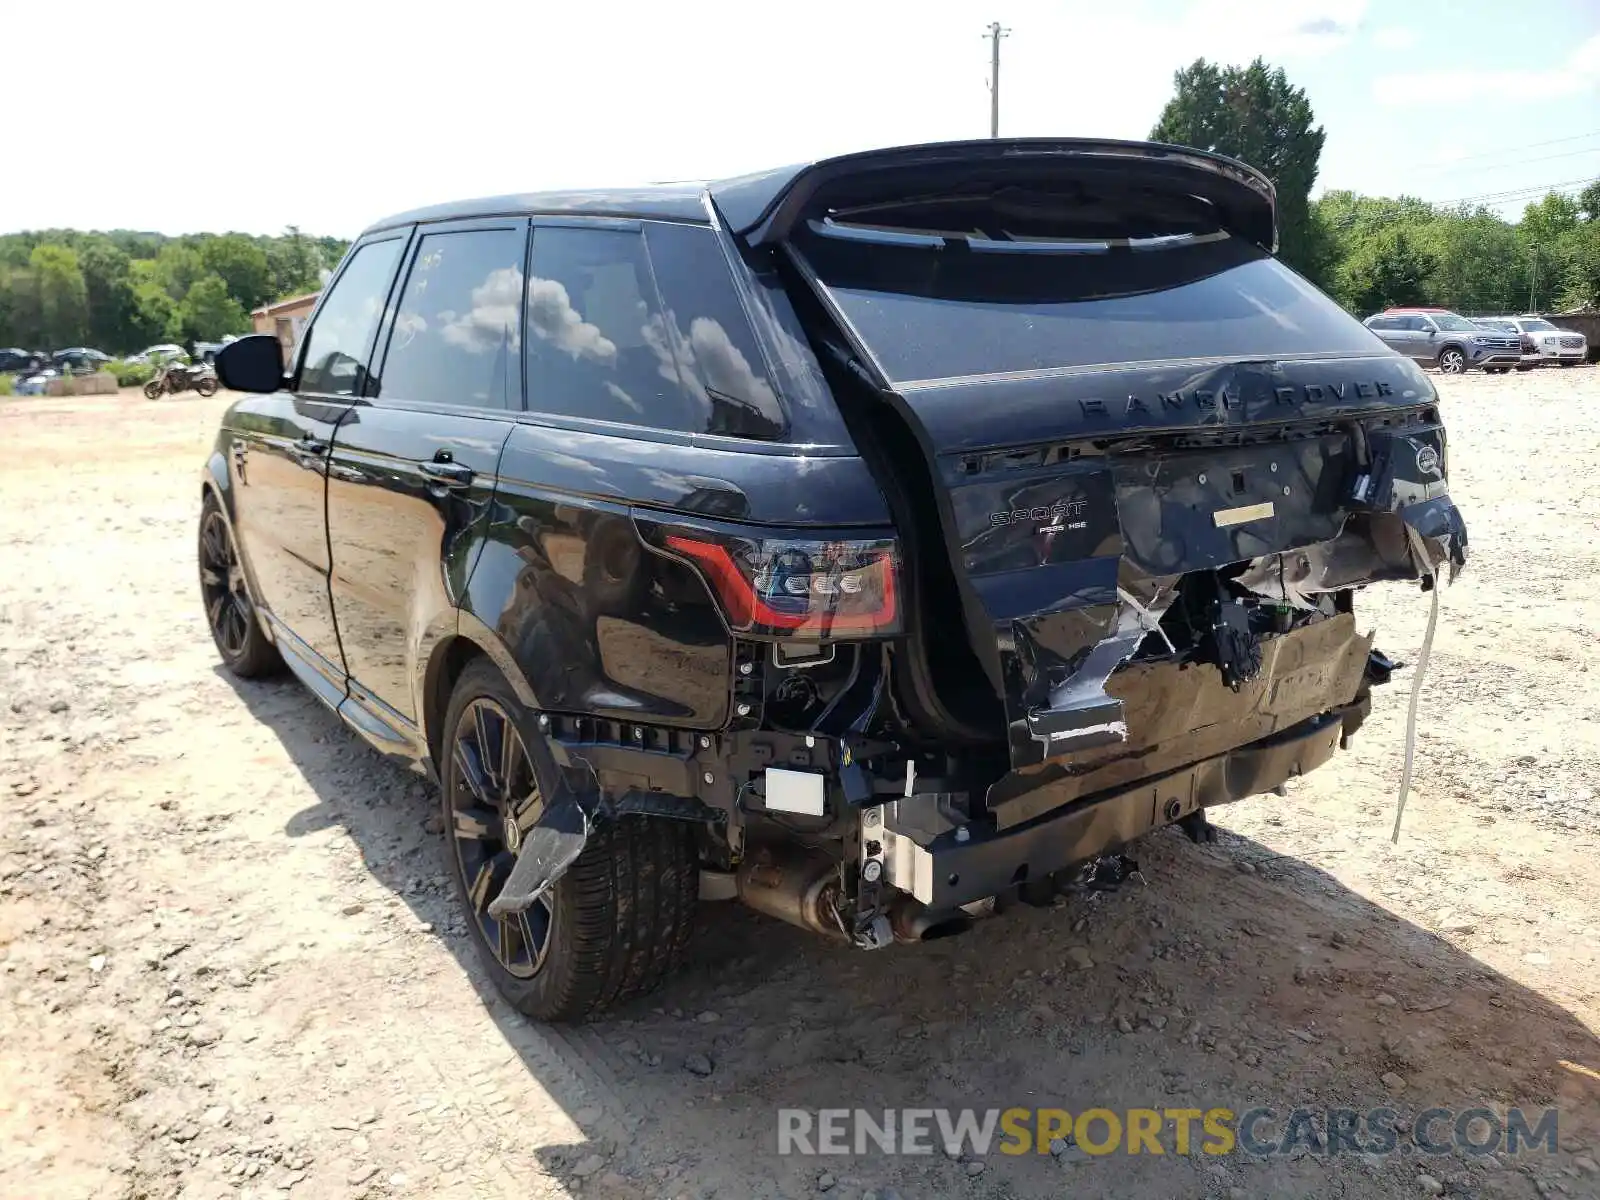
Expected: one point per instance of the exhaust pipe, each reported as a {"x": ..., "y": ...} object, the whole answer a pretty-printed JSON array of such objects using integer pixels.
[
  {"x": 799, "y": 888},
  {"x": 804, "y": 889},
  {"x": 914, "y": 921}
]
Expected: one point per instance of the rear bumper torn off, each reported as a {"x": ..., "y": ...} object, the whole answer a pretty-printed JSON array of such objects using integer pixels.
[{"x": 961, "y": 865}]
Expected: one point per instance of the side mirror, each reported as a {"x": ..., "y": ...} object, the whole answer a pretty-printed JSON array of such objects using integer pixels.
[
  {"x": 1433, "y": 333},
  {"x": 251, "y": 364}
]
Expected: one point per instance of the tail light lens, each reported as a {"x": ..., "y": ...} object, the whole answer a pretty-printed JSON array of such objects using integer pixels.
[{"x": 811, "y": 589}]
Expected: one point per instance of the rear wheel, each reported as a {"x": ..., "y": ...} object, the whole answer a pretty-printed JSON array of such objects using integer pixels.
[
  {"x": 240, "y": 640},
  {"x": 1452, "y": 361},
  {"x": 206, "y": 387},
  {"x": 614, "y": 926}
]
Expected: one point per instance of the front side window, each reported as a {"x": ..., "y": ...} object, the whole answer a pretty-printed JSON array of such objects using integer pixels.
[
  {"x": 457, "y": 332},
  {"x": 335, "y": 362}
]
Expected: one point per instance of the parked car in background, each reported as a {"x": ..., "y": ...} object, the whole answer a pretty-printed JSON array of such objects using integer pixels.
[
  {"x": 17, "y": 362},
  {"x": 207, "y": 351},
  {"x": 160, "y": 353},
  {"x": 1543, "y": 343},
  {"x": 34, "y": 385},
  {"x": 1447, "y": 340},
  {"x": 80, "y": 358},
  {"x": 746, "y": 592}
]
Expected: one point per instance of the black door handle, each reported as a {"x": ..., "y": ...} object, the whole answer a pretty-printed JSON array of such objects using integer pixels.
[
  {"x": 447, "y": 474},
  {"x": 311, "y": 445}
]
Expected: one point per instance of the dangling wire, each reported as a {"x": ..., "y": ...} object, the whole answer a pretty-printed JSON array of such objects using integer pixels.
[{"x": 1411, "y": 717}]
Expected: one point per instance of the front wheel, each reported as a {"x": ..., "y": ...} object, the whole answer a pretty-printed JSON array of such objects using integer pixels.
[
  {"x": 614, "y": 926},
  {"x": 235, "y": 629},
  {"x": 1452, "y": 361},
  {"x": 206, "y": 387},
  {"x": 152, "y": 390}
]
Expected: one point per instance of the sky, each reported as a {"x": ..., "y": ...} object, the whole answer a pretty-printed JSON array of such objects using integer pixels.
[{"x": 331, "y": 115}]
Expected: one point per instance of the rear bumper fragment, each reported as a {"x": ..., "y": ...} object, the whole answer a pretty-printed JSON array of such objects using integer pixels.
[{"x": 965, "y": 864}]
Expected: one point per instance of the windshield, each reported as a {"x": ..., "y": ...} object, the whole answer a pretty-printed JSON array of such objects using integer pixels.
[
  {"x": 1537, "y": 326},
  {"x": 935, "y": 308},
  {"x": 1451, "y": 322}
]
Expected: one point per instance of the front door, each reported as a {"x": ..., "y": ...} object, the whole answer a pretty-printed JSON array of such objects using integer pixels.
[
  {"x": 412, "y": 471},
  {"x": 280, "y": 462}
]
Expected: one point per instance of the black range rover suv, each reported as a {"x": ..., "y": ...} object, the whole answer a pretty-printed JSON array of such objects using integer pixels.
[{"x": 872, "y": 541}]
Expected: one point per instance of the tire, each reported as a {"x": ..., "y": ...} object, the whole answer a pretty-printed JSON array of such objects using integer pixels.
[
  {"x": 230, "y": 613},
  {"x": 613, "y": 927},
  {"x": 206, "y": 387},
  {"x": 152, "y": 390},
  {"x": 1452, "y": 361}
]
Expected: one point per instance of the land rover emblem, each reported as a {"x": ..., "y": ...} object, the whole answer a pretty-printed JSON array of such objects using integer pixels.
[{"x": 1427, "y": 460}]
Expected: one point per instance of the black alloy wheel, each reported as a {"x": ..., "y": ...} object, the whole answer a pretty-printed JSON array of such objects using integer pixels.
[
  {"x": 230, "y": 613},
  {"x": 494, "y": 799}
]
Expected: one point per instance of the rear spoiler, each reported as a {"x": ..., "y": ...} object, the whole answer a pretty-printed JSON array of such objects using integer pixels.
[{"x": 765, "y": 208}]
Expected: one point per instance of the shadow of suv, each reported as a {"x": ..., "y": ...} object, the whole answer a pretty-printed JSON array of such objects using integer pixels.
[{"x": 769, "y": 540}]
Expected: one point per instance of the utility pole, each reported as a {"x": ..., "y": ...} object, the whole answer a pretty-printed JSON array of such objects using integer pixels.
[
  {"x": 1533, "y": 274},
  {"x": 994, "y": 35}
]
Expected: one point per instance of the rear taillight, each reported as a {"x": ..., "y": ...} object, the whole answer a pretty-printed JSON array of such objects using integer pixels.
[{"x": 809, "y": 588}]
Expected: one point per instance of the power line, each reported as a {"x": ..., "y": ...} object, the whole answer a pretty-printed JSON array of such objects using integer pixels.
[
  {"x": 1518, "y": 162},
  {"x": 1518, "y": 193},
  {"x": 1576, "y": 137}
]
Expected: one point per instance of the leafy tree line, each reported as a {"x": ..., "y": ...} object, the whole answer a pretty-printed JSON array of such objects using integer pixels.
[
  {"x": 122, "y": 291},
  {"x": 1373, "y": 252}
]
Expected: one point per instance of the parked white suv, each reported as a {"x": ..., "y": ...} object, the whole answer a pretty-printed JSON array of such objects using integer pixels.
[{"x": 1542, "y": 342}]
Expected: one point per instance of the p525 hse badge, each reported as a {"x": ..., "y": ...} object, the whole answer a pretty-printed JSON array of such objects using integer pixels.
[{"x": 1052, "y": 518}]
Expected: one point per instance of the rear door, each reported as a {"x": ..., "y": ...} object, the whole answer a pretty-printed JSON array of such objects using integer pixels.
[
  {"x": 280, "y": 459},
  {"x": 412, "y": 471}
]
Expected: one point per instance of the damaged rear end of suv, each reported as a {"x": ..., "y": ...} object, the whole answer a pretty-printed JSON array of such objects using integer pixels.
[{"x": 1135, "y": 471}]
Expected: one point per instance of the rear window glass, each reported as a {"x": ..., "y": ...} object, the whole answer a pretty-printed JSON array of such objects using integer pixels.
[{"x": 936, "y": 308}]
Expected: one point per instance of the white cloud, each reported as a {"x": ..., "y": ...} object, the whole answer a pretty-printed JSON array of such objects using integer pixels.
[
  {"x": 553, "y": 318},
  {"x": 494, "y": 320},
  {"x": 1578, "y": 75}
]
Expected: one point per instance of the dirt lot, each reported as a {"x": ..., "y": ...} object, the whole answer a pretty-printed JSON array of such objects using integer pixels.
[{"x": 228, "y": 965}]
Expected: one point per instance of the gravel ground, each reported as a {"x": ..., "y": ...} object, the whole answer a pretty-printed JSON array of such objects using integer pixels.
[{"x": 228, "y": 966}]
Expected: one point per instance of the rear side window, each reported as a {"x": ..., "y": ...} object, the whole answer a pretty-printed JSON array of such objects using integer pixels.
[
  {"x": 335, "y": 361},
  {"x": 718, "y": 359},
  {"x": 950, "y": 306},
  {"x": 597, "y": 341},
  {"x": 1380, "y": 323},
  {"x": 457, "y": 335},
  {"x": 644, "y": 328}
]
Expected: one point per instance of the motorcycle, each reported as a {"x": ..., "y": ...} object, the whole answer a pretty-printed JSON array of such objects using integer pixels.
[{"x": 178, "y": 377}]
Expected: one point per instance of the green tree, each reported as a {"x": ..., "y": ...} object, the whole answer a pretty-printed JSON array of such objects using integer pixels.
[
  {"x": 107, "y": 280},
  {"x": 242, "y": 265},
  {"x": 63, "y": 296},
  {"x": 1254, "y": 114},
  {"x": 294, "y": 265},
  {"x": 21, "y": 323},
  {"x": 208, "y": 311},
  {"x": 1389, "y": 269}
]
